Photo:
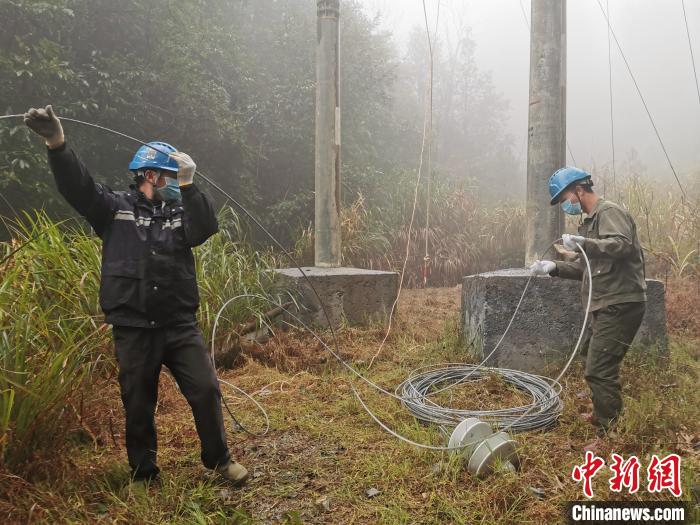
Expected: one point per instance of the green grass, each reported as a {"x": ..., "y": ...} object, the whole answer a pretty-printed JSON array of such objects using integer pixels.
[
  {"x": 51, "y": 334},
  {"x": 322, "y": 444},
  {"x": 53, "y": 343},
  {"x": 61, "y": 422}
]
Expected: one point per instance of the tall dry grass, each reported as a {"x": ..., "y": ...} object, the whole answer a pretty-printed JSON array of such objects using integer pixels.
[
  {"x": 464, "y": 235},
  {"x": 669, "y": 229},
  {"x": 668, "y": 226},
  {"x": 467, "y": 236}
]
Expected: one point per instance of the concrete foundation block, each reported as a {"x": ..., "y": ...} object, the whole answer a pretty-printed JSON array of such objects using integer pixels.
[
  {"x": 548, "y": 322},
  {"x": 356, "y": 295}
]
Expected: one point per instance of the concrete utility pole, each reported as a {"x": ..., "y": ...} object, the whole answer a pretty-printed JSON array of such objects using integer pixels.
[
  {"x": 546, "y": 149},
  {"x": 327, "y": 215}
]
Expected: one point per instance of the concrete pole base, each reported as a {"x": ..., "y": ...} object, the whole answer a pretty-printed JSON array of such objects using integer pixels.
[
  {"x": 548, "y": 323},
  {"x": 353, "y": 295}
]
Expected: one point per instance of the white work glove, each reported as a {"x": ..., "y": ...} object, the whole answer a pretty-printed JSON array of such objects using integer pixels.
[
  {"x": 45, "y": 123},
  {"x": 542, "y": 267},
  {"x": 570, "y": 241},
  {"x": 185, "y": 175}
]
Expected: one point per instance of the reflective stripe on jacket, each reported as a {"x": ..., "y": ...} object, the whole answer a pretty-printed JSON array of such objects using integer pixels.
[{"x": 148, "y": 270}]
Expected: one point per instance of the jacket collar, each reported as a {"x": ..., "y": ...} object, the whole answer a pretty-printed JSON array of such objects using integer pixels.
[{"x": 596, "y": 208}]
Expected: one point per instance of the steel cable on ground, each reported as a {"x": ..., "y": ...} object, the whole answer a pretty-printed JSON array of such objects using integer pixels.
[
  {"x": 545, "y": 397},
  {"x": 213, "y": 362},
  {"x": 315, "y": 335},
  {"x": 427, "y": 381}
]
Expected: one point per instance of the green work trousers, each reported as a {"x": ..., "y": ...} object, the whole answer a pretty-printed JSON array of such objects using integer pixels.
[{"x": 610, "y": 334}]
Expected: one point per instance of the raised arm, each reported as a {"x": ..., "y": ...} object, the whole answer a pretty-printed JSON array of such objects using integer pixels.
[
  {"x": 199, "y": 220},
  {"x": 91, "y": 200}
]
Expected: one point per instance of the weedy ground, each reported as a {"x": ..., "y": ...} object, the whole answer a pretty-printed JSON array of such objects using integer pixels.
[{"x": 323, "y": 452}]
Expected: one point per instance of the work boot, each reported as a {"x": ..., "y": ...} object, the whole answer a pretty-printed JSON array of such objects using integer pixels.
[{"x": 234, "y": 472}]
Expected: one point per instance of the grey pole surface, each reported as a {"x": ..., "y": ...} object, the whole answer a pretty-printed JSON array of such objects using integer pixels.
[
  {"x": 546, "y": 149},
  {"x": 327, "y": 167}
]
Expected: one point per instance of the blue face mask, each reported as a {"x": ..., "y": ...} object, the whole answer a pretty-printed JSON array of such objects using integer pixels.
[
  {"x": 571, "y": 208},
  {"x": 171, "y": 190}
]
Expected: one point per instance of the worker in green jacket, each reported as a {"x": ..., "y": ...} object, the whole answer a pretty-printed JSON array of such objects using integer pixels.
[{"x": 608, "y": 236}]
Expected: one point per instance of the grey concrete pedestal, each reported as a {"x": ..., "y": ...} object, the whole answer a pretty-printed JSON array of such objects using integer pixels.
[
  {"x": 356, "y": 295},
  {"x": 548, "y": 323}
]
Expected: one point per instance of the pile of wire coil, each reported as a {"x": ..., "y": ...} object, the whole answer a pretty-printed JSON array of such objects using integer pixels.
[{"x": 425, "y": 382}]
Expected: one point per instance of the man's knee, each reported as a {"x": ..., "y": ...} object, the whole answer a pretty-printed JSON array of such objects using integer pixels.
[{"x": 204, "y": 391}]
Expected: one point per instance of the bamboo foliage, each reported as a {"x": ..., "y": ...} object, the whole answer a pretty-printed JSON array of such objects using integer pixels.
[{"x": 51, "y": 332}]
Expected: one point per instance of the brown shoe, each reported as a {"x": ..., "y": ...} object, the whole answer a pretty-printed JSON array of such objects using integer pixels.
[{"x": 234, "y": 472}]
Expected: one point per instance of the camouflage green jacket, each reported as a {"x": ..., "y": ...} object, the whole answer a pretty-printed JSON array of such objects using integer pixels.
[{"x": 617, "y": 261}]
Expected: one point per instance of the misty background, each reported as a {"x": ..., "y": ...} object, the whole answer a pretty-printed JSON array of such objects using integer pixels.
[
  {"x": 232, "y": 82},
  {"x": 653, "y": 37}
]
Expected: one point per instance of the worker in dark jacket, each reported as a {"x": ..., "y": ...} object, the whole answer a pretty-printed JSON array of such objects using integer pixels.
[
  {"x": 609, "y": 238},
  {"x": 148, "y": 289}
]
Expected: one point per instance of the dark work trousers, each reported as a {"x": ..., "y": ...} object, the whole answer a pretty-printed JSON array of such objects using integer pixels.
[
  {"x": 141, "y": 352},
  {"x": 609, "y": 336}
]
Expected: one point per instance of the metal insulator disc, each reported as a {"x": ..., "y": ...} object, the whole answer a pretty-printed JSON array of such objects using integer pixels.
[
  {"x": 498, "y": 448},
  {"x": 470, "y": 432}
]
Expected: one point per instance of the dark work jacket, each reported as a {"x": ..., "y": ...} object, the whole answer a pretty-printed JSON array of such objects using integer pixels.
[
  {"x": 616, "y": 257},
  {"x": 148, "y": 270}
]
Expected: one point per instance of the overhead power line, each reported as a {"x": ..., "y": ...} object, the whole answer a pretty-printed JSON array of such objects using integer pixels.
[
  {"x": 690, "y": 47},
  {"x": 610, "y": 89},
  {"x": 644, "y": 103}
]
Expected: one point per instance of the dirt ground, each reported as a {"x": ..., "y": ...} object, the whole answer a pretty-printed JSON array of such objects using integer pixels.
[{"x": 325, "y": 461}]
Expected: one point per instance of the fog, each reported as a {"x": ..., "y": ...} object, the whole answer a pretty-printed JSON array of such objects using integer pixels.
[
  {"x": 653, "y": 36},
  {"x": 239, "y": 93}
]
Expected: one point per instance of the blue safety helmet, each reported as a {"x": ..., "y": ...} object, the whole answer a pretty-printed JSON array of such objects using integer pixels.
[
  {"x": 562, "y": 178},
  {"x": 155, "y": 157}
]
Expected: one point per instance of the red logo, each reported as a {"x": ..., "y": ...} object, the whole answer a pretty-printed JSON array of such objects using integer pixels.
[
  {"x": 662, "y": 474},
  {"x": 586, "y": 472},
  {"x": 626, "y": 474},
  {"x": 665, "y": 474}
]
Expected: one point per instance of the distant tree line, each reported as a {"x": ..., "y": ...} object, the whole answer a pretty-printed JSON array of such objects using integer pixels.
[{"x": 232, "y": 82}]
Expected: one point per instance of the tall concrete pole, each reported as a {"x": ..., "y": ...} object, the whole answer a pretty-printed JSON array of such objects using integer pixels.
[
  {"x": 327, "y": 215},
  {"x": 546, "y": 149}
]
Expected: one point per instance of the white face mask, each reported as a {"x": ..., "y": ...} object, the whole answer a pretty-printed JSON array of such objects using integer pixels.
[
  {"x": 571, "y": 208},
  {"x": 171, "y": 190}
]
